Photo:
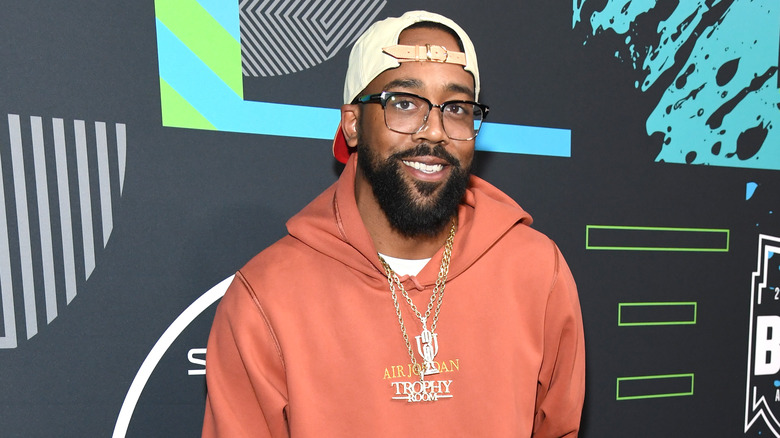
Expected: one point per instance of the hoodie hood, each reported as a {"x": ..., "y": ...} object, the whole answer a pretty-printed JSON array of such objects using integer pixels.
[{"x": 331, "y": 224}]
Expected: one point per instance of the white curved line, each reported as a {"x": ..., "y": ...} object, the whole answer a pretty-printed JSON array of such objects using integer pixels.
[{"x": 159, "y": 349}]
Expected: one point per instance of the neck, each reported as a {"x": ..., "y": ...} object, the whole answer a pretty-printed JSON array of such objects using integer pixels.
[{"x": 387, "y": 240}]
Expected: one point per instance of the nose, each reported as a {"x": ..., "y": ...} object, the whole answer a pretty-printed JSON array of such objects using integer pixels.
[{"x": 432, "y": 129}]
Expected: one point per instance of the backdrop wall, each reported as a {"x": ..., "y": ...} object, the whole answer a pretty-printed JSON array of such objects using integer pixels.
[{"x": 149, "y": 149}]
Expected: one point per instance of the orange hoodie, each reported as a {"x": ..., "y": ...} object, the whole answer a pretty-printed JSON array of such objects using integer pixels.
[{"x": 306, "y": 341}]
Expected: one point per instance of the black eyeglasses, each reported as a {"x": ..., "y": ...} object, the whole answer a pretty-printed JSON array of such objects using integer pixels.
[{"x": 408, "y": 113}]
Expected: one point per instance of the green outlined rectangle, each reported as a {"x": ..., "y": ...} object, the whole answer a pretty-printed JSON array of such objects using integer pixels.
[
  {"x": 660, "y": 386},
  {"x": 657, "y": 313},
  {"x": 631, "y": 238}
]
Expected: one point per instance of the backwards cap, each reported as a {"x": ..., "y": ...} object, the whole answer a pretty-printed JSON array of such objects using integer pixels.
[{"x": 377, "y": 50}]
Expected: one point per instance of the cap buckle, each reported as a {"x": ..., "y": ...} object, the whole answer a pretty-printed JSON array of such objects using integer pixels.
[{"x": 431, "y": 57}]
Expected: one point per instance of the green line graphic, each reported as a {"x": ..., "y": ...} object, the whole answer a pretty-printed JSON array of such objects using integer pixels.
[
  {"x": 634, "y": 238},
  {"x": 176, "y": 111},
  {"x": 659, "y": 386},
  {"x": 657, "y": 313},
  {"x": 205, "y": 37}
]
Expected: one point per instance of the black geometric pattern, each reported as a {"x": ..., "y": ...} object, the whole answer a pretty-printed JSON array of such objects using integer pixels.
[{"x": 280, "y": 37}]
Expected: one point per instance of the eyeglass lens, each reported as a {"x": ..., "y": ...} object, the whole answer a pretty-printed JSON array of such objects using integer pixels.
[{"x": 407, "y": 114}]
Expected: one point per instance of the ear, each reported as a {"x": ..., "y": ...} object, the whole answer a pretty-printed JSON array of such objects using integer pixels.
[{"x": 350, "y": 115}]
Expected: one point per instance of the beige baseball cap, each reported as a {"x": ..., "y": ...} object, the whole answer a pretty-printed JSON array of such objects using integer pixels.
[{"x": 377, "y": 50}]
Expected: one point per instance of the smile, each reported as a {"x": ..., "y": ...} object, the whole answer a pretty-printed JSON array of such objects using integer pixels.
[{"x": 425, "y": 168}]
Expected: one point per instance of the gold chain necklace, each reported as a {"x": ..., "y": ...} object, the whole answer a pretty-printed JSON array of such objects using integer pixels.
[{"x": 427, "y": 342}]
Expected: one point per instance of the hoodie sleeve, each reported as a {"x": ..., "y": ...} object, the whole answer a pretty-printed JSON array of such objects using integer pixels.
[
  {"x": 561, "y": 387},
  {"x": 245, "y": 377}
]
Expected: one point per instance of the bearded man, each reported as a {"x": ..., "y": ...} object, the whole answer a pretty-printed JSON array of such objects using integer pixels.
[{"x": 342, "y": 328}]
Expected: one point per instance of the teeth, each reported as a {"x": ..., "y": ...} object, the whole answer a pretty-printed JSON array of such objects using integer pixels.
[{"x": 427, "y": 168}]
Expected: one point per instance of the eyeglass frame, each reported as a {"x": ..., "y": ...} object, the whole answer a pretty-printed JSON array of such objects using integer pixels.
[{"x": 383, "y": 97}]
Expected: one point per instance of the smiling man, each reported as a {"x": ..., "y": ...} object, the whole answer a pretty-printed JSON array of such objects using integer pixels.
[{"x": 342, "y": 328}]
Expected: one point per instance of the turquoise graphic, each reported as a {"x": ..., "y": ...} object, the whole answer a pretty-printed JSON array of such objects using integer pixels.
[
  {"x": 716, "y": 65},
  {"x": 201, "y": 86}
]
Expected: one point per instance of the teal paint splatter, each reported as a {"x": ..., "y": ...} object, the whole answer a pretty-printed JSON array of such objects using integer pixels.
[
  {"x": 618, "y": 15},
  {"x": 717, "y": 65},
  {"x": 750, "y": 189}
]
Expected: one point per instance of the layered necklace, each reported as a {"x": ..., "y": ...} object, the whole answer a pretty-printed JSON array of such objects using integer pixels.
[{"x": 427, "y": 341}]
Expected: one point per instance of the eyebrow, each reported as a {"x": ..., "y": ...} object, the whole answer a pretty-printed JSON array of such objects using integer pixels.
[
  {"x": 458, "y": 88},
  {"x": 418, "y": 84},
  {"x": 403, "y": 83}
]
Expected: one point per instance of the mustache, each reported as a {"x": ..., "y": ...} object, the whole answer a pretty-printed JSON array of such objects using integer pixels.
[{"x": 425, "y": 149}]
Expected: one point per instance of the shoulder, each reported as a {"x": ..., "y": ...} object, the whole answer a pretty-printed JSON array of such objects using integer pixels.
[
  {"x": 285, "y": 255},
  {"x": 267, "y": 282},
  {"x": 517, "y": 238},
  {"x": 530, "y": 246}
]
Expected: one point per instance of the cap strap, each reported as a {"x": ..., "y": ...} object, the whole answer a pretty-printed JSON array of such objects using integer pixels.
[{"x": 427, "y": 52}]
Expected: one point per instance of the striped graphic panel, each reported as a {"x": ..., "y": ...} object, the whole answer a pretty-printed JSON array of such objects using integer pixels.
[
  {"x": 279, "y": 37},
  {"x": 52, "y": 216},
  {"x": 205, "y": 36}
]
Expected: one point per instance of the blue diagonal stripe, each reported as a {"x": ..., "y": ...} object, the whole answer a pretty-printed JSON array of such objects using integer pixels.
[
  {"x": 225, "y": 13},
  {"x": 203, "y": 89}
]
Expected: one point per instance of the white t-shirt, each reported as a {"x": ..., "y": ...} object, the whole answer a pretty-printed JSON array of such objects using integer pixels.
[{"x": 405, "y": 266}]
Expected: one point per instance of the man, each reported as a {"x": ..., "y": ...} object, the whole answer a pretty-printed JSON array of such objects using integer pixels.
[{"x": 342, "y": 328}]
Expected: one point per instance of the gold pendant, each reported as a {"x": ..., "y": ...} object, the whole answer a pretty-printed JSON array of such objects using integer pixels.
[{"x": 428, "y": 347}]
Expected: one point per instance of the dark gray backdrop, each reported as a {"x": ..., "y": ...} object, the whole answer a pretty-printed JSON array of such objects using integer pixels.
[{"x": 193, "y": 205}]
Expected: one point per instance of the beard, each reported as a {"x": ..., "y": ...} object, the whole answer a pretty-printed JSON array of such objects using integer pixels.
[{"x": 414, "y": 209}]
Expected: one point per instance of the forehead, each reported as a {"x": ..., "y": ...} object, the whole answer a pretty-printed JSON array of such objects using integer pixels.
[{"x": 431, "y": 75}]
